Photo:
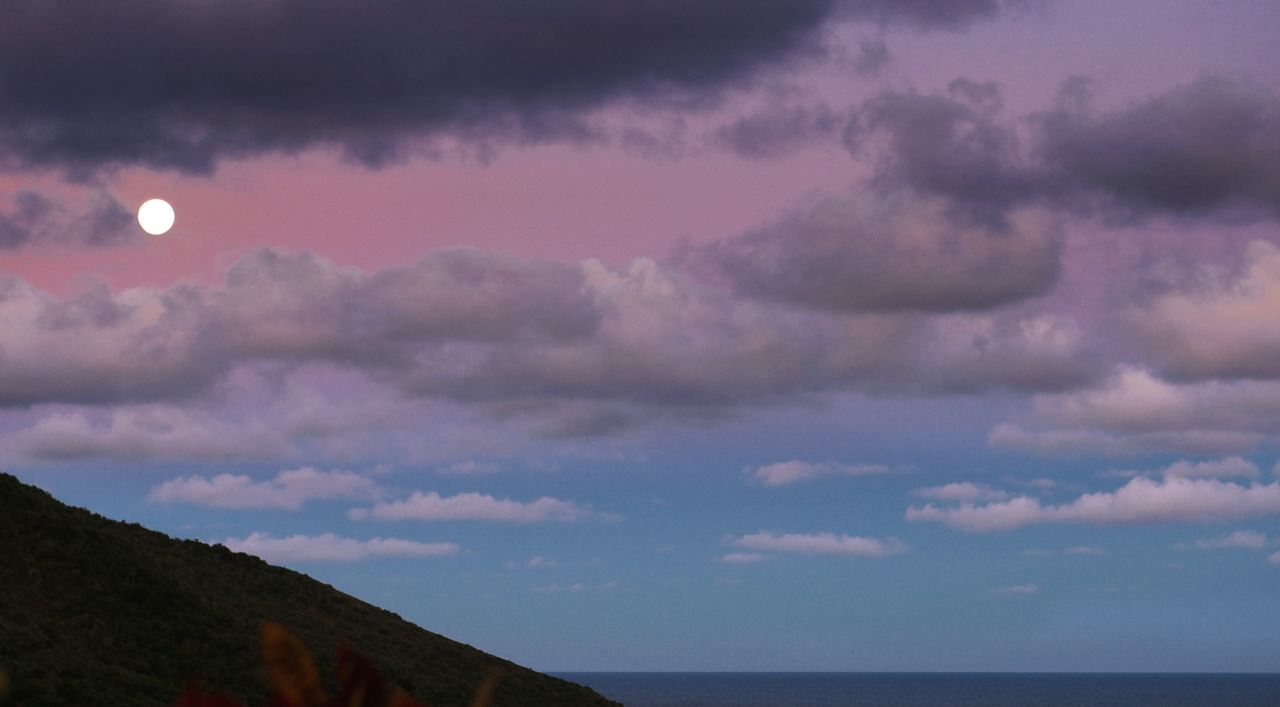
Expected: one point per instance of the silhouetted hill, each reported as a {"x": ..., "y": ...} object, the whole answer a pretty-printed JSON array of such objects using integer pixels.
[{"x": 98, "y": 612}]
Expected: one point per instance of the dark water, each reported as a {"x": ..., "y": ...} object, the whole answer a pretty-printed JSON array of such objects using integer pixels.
[{"x": 933, "y": 689}]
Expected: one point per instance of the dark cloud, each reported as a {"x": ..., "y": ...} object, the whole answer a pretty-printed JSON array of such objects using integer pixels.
[
  {"x": 1211, "y": 147},
  {"x": 873, "y": 55},
  {"x": 778, "y": 129},
  {"x": 183, "y": 84},
  {"x": 34, "y": 219},
  {"x": 931, "y": 14},
  {"x": 1207, "y": 146},
  {"x": 954, "y": 144},
  {"x": 890, "y": 251}
]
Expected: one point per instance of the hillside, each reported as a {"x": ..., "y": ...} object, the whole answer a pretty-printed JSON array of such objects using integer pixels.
[{"x": 98, "y": 612}]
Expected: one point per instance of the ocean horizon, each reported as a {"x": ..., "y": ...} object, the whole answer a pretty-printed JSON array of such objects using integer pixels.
[{"x": 832, "y": 689}]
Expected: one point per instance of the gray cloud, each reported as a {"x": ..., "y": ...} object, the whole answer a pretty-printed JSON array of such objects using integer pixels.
[
  {"x": 1218, "y": 323},
  {"x": 873, "y": 55},
  {"x": 34, "y": 219},
  {"x": 885, "y": 252},
  {"x": 1210, "y": 145},
  {"x": 778, "y": 129},
  {"x": 579, "y": 349},
  {"x": 1206, "y": 148},
  {"x": 239, "y": 77},
  {"x": 1135, "y": 411}
]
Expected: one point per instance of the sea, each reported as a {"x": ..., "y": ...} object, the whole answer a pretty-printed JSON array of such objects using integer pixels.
[{"x": 934, "y": 689}]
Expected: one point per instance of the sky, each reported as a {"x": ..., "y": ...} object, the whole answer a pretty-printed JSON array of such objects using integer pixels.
[{"x": 835, "y": 335}]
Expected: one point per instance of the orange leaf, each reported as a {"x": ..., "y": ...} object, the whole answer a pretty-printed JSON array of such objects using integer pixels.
[
  {"x": 294, "y": 678},
  {"x": 484, "y": 693},
  {"x": 403, "y": 700}
]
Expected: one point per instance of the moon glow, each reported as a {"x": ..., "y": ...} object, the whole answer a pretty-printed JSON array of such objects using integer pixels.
[{"x": 155, "y": 216}]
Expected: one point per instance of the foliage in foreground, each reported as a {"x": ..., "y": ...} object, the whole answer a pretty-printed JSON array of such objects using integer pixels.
[
  {"x": 99, "y": 612},
  {"x": 295, "y": 682}
]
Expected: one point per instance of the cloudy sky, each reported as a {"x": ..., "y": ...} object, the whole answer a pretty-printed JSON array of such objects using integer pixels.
[{"x": 699, "y": 335}]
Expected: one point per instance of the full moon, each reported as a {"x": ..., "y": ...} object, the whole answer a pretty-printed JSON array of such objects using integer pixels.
[{"x": 156, "y": 216}]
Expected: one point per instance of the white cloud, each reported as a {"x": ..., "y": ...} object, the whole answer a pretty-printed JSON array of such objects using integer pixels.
[
  {"x": 1274, "y": 558},
  {"x": 743, "y": 558},
  {"x": 962, "y": 491},
  {"x": 821, "y": 544},
  {"x": 469, "y": 467},
  {"x": 577, "y": 587},
  {"x": 1246, "y": 539},
  {"x": 1215, "y": 469},
  {"x": 1135, "y": 411},
  {"x": 1083, "y": 550},
  {"x": 289, "y": 489},
  {"x": 332, "y": 548},
  {"x": 1029, "y": 588},
  {"x": 475, "y": 506},
  {"x": 141, "y": 433},
  {"x": 1220, "y": 324},
  {"x": 790, "y": 472},
  {"x": 1141, "y": 500},
  {"x": 539, "y": 562}
]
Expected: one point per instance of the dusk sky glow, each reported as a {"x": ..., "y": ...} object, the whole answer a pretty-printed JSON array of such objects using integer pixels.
[{"x": 834, "y": 335}]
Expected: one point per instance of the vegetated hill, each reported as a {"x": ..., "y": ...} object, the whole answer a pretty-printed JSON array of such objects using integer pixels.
[{"x": 98, "y": 612}]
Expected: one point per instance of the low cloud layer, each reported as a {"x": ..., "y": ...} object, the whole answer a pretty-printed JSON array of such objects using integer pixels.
[
  {"x": 820, "y": 544},
  {"x": 581, "y": 349},
  {"x": 333, "y": 548},
  {"x": 1141, "y": 500}
]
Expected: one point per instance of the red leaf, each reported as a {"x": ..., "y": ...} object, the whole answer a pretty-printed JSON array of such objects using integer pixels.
[
  {"x": 359, "y": 684},
  {"x": 193, "y": 696}
]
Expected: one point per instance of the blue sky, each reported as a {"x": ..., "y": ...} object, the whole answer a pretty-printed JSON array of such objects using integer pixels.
[{"x": 909, "y": 336}]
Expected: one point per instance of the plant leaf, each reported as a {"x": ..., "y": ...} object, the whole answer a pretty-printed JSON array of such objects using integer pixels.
[
  {"x": 484, "y": 693},
  {"x": 294, "y": 679},
  {"x": 193, "y": 696},
  {"x": 359, "y": 684}
]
